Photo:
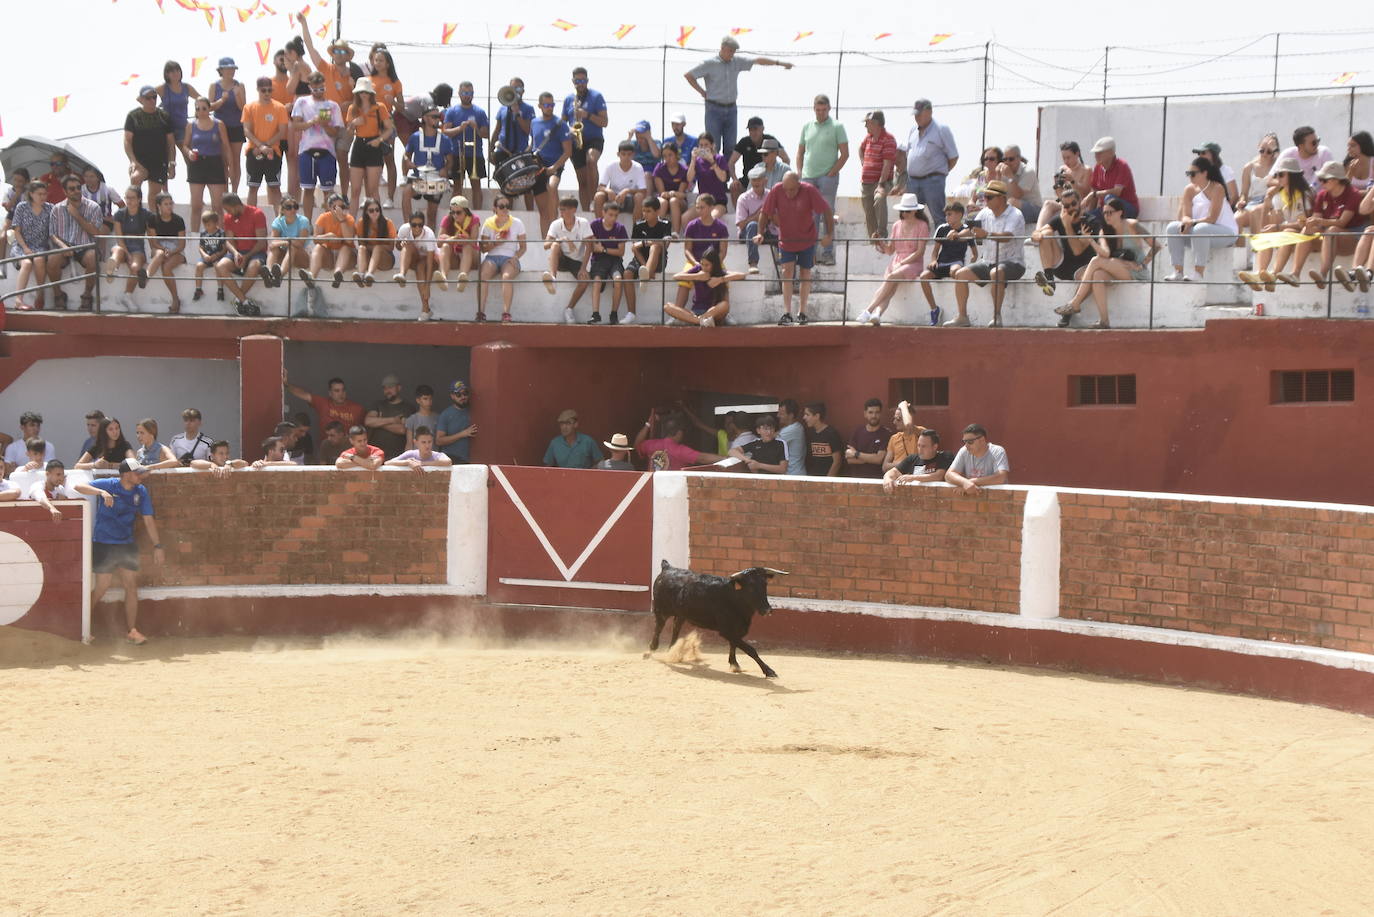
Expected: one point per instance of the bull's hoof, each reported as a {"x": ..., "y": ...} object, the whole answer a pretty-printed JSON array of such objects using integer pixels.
[
  {"x": 769, "y": 673},
  {"x": 647, "y": 654},
  {"x": 736, "y": 669}
]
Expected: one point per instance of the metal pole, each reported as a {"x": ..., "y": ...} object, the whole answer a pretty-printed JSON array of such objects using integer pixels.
[
  {"x": 839, "y": 72},
  {"x": 1276, "y": 64},
  {"x": 1152, "y": 279},
  {"x": 1163, "y": 145},
  {"x": 663, "y": 105},
  {"x": 1350, "y": 120},
  {"x": 338, "y": 20},
  {"x": 987, "y": 53},
  {"x": 1106, "y": 53},
  {"x": 844, "y": 291}
]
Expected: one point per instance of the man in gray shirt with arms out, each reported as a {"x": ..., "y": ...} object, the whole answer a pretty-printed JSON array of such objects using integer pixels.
[
  {"x": 930, "y": 155},
  {"x": 721, "y": 74},
  {"x": 979, "y": 463},
  {"x": 793, "y": 435}
]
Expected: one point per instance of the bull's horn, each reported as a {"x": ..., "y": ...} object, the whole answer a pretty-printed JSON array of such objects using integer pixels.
[
  {"x": 736, "y": 576},
  {"x": 778, "y": 572}
]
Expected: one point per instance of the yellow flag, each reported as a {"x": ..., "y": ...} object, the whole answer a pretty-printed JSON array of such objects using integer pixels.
[
  {"x": 1345, "y": 77},
  {"x": 264, "y": 47},
  {"x": 449, "y": 29},
  {"x": 59, "y": 103},
  {"x": 623, "y": 31},
  {"x": 939, "y": 37},
  {"x": 801, "y": 35},
  {"x": 684, "y": 33},
  {"x": 564, "y": 24},
  {"x": 195, "y": 66},
  {"x": 881, "y": 35},
  {"x": 513, "y": 30},
  {"x": 738, "y": 32}
]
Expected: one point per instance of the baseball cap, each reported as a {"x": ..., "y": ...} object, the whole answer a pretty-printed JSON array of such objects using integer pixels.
[
  {"x": 1211, "y": 146},
  {"x": 678, "y": 118},
  {"x": 129, "y": 465},
  {"x": 459, "y": 201},
  {"x": 458, "y": 387},
  {"x": 758, "y": 171},
  {"x": 146, "y": 91},
  {"x": 391, "y": 379},
  {"x": 641, "y": 126},
  {"x": 227, "y": 62}
]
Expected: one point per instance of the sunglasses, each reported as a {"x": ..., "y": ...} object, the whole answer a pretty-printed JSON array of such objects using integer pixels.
[
  {"x": 339, "y": 51},
  {"x": 417, "y": 225},
  {"x": 290, "y": 206},
  {"x": 1190, "y": 172},
  {"x": 968, "y": 442},
  {"x": 1271, "y": 151},
  {"x": 546, "y": 105},
  {"x": 580, "y": 82},
  {"x": 991, "y": 159},
  {"x": 503, "y": 206},
  {"x": 374, "y": 210}
]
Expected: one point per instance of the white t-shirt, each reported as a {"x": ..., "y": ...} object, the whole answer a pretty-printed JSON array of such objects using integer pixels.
[
  {"x": 570, "y": 240},
  {"x": 425, "y": 242},
  {"x": 510, "y": 238},
  {"x": 617, "y": 179},
  {"x": 17, "y": 455},
  {"x": 63, "y": 492},
  {"x": 1011, "y": 221},
  {"x": 314, "y": 136}
]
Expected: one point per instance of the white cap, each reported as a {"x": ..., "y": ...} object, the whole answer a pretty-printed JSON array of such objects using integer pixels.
[
  {"x": 678, "y": 118},
  {"x": 1104, "y": 144}
]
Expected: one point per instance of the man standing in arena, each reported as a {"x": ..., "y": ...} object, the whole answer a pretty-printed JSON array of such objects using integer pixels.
[{"x": 112, "y": 544}]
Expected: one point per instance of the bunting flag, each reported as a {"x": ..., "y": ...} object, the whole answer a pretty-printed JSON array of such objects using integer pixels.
[
  {"x": 209, "y": 18},
  {"x": 195, "y": 66},
  {"x": 2, "y": 128},
  {"x": 939, "y": 37},
  {"x": 1345, "y": 77},
  {"x": 881, "y": 35},
  {"x": 305, "y": 12},
  {"x": 190, "y": 5},
  {"x": 132, "y": 77},
  {"x": 222, "y": 27},
  {"x": 268, "y": 10},
  {"x": 159, "y": 7},
  {"x": 264, "y": 49},
  {"x": 513, "y": 30},
  {"x": 684, "y": 33},
  {"x": 564, "y": 24},
  {"x": 59, "y": 103},
  {"x": 801, "y": 35},
  {"x": 243, "y": 14},
  {"x": 323, "y": 31},
  {"x": 738, "y": 32},
  {"x": 624, "y": 30},
  {"x": 449, "y": 29}
]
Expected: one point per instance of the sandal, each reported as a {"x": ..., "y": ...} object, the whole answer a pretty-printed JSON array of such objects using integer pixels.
[
  {"x": 1100, "y": 324},
  {"x": 480, "y": 317},
  {"x": 21, "y": 306},
  {"x": 1066, "y": 320},
  {"x": 175, "y": 308},
  {"x": 1066, "y": 310},
  {"x": 87, "y": 302},
  {"x": 59, "y": 301}
]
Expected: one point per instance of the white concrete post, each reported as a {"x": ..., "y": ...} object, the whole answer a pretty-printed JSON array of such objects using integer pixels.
[
  {"x": 467, "y": 529},
  {"x": 670, "y": 540},
  {"x": 1040, "y": 554}
]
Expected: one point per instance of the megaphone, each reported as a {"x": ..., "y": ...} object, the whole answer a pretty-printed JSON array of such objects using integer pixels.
[{"x": 507, "y": 95}]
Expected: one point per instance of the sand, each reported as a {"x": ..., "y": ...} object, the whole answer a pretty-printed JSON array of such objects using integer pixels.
[{"x": 420, "y": 776}]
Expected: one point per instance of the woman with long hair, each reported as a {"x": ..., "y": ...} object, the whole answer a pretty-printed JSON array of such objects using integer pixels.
[
  {"x": 131, "y": 226},
  {"x": 391, "y": 99},
  {"x": 1359, "y": 160},
  {"x": 1075, "y": 169},
  {"x": 205, "y": 142},
  {"x": 907, "y": 246},
  {"x": 1205, "y": 220},
  {"x": 978, "y": 179},
  {"x": 1254, "y": 184},
  {"x": 1286, "y": 209},
  {"x": 670, "y": 180},
  {"x": 502, "y": 238},
  {"x": 150, "y": 453},
  {"x": 710, "y": 302},
  {"x": 376, "y": 243},
  {"x": 372, "y": 132},
  {"x": 31, "y": 220},
  {"x": 289, "y": 85},
  {"x": 167, "y": 239},
  {"x": 110, "y": 447},
  {"x": 1124, "y": 252}
]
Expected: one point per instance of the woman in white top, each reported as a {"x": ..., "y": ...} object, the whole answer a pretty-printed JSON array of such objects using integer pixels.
[
  {"x": 502, "y": 240},
  {"x": 1205, "y": 220},
  {"x": 419, "y": 253},
  {"x": 1359, "y": 160},
  {"x": 1254, "y": 184}
]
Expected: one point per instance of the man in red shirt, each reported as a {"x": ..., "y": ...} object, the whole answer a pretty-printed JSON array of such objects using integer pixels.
[
  {"x": 363, "y": 455},
  {"x": 1111, "y": 178},
  {"x": 794, "y": 206},
  {"x": 1335, "y": 210},
  {"x": 59, "y": 169},
  {"x": 335, "y": 407},
  {"x": 878, "y": 155},
  {"x": 245, "y": 232}
]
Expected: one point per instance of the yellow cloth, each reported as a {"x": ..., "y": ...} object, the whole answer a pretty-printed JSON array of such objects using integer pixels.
[{"x": 1266, "y": 240}]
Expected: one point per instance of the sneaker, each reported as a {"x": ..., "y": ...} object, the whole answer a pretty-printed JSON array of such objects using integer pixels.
[
  {"x": 1045, "y": 282},
  {"x": 306, "y": 277},
  {"x": 252, "y": 307},
  {"x": 1344, "y": 280},
  {"x": 958, "y": 323},
  {"x": 1362, "y": 277},
  {"x": 629, "y": 319},
  {"x": 935, "y": 316},
  {"x": 995, "y": 323},
  {"x": 462, "y": 281},
  {"x": 273, "y": 273},
  {"x": 368, "y": 279},
  {"x": 142, "y": 278},
  {"x": 358, "y": 278},
  {"x": 125, "y": 302},
  {"x": 548, "y": 283},
  {"x": 1318, "y": 279},
  {"x": 615, "y": 318},
  {"x": 801, "y": 318},
  {"x": 753, "y": 268},
  {"x": 1267, "y": 279},
  {"x": 569, "y": 317},
  {"x": 706, "y": 322},
  {"x": 864, "y": 317},
  {"x": 424, "y": 317},
  {"x": 1251, "y": 280},
  {"x": 786, "y": 319},
  {"x": 1289, "y": 279},
  {"x": 198, "y": 295},
  {"x": 338, "y": 280},
  {"x": 398, "y": 279},
  {"x": 219, "y": 293},
  {"x": 876, "y": 320},
  {"x": 1175, "y": 277},
  {"x": 595, "y": 319},
  {"x": 439, "y": 280}
]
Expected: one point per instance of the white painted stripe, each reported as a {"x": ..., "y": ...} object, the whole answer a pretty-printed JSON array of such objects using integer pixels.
[
  {"x": 529, "y": 520},
  {"x": 610, "y": 522},
  {"x": 573, "y": 584}
]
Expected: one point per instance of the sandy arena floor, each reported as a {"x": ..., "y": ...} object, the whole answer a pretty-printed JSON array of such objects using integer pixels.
[{"x": 413, "y": 776}]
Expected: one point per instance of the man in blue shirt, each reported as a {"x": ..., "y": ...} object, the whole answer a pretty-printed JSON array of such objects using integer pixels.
[
  {"x": 511, "y": 130},
  {"x": 570, "y": 448},
  {"x": 113, "y": 551},
  {"x": 454, "y": 430},
  {"x": 587, "y": 107},
  {"x": 468, "y": 127},
  {"x": 930, "y": 156}
]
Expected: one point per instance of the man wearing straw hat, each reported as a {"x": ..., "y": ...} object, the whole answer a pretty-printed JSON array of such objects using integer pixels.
[{"x": 620, "y": 447}]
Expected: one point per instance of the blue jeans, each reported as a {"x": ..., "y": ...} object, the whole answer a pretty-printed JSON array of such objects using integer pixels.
[
  {"x": 722, "y": 121},
  {"x": 931, "y": 192},
  {"x": 828, "y": 186},
  {"x": 747, "y": 236}
]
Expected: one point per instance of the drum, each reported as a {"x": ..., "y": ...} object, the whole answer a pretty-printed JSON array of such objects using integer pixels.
[
  {"x": 428, "y": 182},
  {"x": 517, "y": 174}
]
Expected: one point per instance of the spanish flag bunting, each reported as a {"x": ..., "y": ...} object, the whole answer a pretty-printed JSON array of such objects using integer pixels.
[
  {"x": 564, "y": 24},
  {"x": 449, "y": 29},
  {"x": 323, "y": 31},
  {"x": 321, "y": 2},
  {"x": 2, "y": 129},
  {"x": 881, "y": 35},
  {"x": 513, "y": 30},
  {"x": 190, "y": 5},
  {"x": 221, "y": 20},
  {"x": 684, "y": 33},
  {"x": 126, "y": 82},
  {"x": 244, "y": 15},
  {"x": 268, "y": 10},
  {"x": 209, "y": 18},
  {"x": 939, "y": 37},
  {"x": 623, "y": 31},
  {"x": 305, "y": 11},
  {"x": 195, "y": 66},
  {"x": 59, "y": 103},
  {"x": 264, "y": 47},
  {"x": 1345, "y": 77},
  {"x": 801, "y": 35},
  {"x": 738, "y": 32},
  {"x": 159, "y": 7}
]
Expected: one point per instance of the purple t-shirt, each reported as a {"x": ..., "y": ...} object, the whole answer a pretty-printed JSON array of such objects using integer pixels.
[
  {"x": 671, "y": 182},
  {"x": 707, "y": 181},
  {"x": 713, "y": 234},
  {"x": 704, "y": 296},
  {"x": 614, "y": 234}
]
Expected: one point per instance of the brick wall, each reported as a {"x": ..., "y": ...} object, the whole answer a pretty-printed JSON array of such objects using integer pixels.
[
  {"x": 850, "y": 541},
  {"x": 285, "y": 527},
  {"x": 1272, "y": 572}
]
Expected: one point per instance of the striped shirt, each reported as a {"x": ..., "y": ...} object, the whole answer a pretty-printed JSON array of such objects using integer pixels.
[
  {"x": 65, "y": 226},
  {"x": 874, "y": 151}
]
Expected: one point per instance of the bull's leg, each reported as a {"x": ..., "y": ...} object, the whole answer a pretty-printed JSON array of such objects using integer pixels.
[
  {"x": 734, "y": 664},
  {"x": 677, "y": 629},
  {"x": 659, "y": 621},
  {"x": 769, "y": 673}
]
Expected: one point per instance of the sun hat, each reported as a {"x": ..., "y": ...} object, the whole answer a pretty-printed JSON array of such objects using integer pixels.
[
  {"x": 909, "y": 203},
  {"x": 618, "y": 443}
]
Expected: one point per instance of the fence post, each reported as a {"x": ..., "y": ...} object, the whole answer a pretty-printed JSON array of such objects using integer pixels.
[
  {"x": 338, "y": 20},
  {"x": 1350, "y": 126},
  {"x": 1275, "y": 92},
  {"x": 663, "y": 98},
  {"x": 1106, "y": 53},
  {"x": 1163, "y": 142},
  {"x": 987, "y": 68},
  {"x": 839, "y": 73}
]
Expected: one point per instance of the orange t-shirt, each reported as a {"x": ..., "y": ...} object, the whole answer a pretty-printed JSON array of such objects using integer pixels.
[
  {"x": 327, "y": 222},
  {"x": 903, "y": 444},
  {"x": 372, "y": 126},
  {"x": 378, "y": 233},
  {"x": 281, "y": 89},
  {"x": 338, "y": 85},
  {"x": 264, "y": 119},
  {"x": 387, "y": 91}
]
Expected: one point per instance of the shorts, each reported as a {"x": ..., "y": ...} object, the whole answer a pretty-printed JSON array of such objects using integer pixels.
[
  {"x": 579, "y": 157},
  {"x": 318, "y": 167},
  {"x": 171, "y": 245},
  {"x": 259, "y": 257},
  {"x": 606, "y": 267},
  {"x": 1011, "y": 270},
  {"x": 806, "y": 258},
  {"x": 157, "y": 171},
  {"x": 75, "y": 252},
  {"x": 541, "y": 184},
  {"x": 500, "y": 261},
  {"x": 107, "y": 558},
  {"x": 567, "y": 265},
  {"x": 216, "y": 258},
  {"x": 365, "y": 156},
  {"x": 942, "y": 270},
  {"x": 235, "y": 132},
  {"x": 1070, "y": 265},
  {"x": 262, "y": 169},
  {"x": 460, "y": 169},
  {"x": 207, "y": 170}
]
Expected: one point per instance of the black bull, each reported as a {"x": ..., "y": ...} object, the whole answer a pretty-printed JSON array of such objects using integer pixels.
[{"x": 724, "y": 604}]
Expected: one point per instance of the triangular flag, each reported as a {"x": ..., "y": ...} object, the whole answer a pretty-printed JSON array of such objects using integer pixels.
[
  {"x": 684, "y": 33},
  {"x": 449, "y": 29},
  {"x": 268, "y": 10},
  {"x": 739, "y": 31},
  {"x": 2, "y": 129},
  {"x": 305, "y": 11},
  {"x": 323, "y": 31},
  {"x": 882, "y": 35},
  {"x": 801, "y": 35},
  {"x": 1345, "y": 77},
  {"x": 564, "y": 24},
  {"x": 221, "y": 20},
  {"x": 187, "y": 5},
  {"x": 623, "y": 31},
  {"x": 264, "y": 49},
  {"x": 195, "y": 66},
  {"x": 59, "y": 103},
  {"x": 209, "y": 18},
  {"x": 513, "y": 30},
  {"x": 159, "y": 7},
  {"x": 244, "y": 15},
  {"x": 132, "y": 77},
  {"x": 939, "y": 37}
]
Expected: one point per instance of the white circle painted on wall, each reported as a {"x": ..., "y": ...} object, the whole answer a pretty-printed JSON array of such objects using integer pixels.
[{"x": 21, "y": 578}]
